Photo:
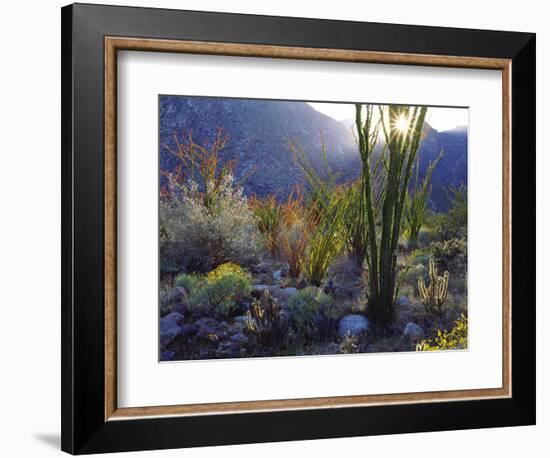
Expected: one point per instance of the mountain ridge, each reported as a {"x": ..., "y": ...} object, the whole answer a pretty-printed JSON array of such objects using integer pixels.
[{"x": 260, "y": 131}]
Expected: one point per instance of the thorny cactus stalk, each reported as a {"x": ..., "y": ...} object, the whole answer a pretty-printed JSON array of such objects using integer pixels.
[
  {"x": 402, "y": 131},
  {"x": 265, "y": 318},
  {"x": 434, "y": 295}
]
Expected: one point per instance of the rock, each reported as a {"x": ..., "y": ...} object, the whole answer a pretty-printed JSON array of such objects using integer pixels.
[
  {"x": 281, "y": 294},
  {"x": 355, "y": 324},
  {"x": 187, "y": 330},
  {"x": 236, "y": 328},
  {"x": 210, "y": 329},
  {"x": 258, "y": 290},
  {"x": 177, "y": 295},
  {"x": 240, "y": 319},
  {"x": 278, "y": 275},
  {"x": 403, "y": 300},
  {"x": 170, "y": 328},
  {"x": 290, "y": 291},
  {"x": 228, "y": 349},
  {"x": 413, "y": 331},
  {"x": 240, "y": 338},
  {"x": 167, "y": 355}
]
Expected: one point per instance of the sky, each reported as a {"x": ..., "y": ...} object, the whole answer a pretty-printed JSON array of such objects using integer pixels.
[{"x": 440, "y": 119}]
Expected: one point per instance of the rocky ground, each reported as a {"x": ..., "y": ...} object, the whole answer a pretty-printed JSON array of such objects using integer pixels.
[{"x": 185, "y": 336}]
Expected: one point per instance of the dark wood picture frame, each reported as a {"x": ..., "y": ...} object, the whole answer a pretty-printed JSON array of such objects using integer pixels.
[{"x": 91, "y": 37}]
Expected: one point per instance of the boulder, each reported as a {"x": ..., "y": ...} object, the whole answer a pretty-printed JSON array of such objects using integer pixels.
[
  {"x": 403, "y": 300},
  {"x": 229, "y": 349},
  {"x": 210, "y": 329},
  {"x": 281, "y": 294},
  {"x": 354, "y": 324},
  {"x": 177, "y": 295},
  {"x": 236, "y": 328},
  {"x": 170, "y": 328},
  {"x": 240, "y": 319},
  {"x": 413, "y": 332},
  {"x": 239, "y": 338},
  {"x": 258, "y": 290}
]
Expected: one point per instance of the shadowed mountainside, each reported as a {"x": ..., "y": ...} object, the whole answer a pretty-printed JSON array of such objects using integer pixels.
[{"x": 260, "y": 130}]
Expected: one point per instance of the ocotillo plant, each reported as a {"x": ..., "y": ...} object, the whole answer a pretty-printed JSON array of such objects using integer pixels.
[
  {"x": 434, "y": 295},
  {"x": 402, "y": 131},
  {"x": 416, "y": 203}
]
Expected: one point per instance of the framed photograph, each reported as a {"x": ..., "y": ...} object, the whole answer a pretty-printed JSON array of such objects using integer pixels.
[{"x": 281, "y": 228}]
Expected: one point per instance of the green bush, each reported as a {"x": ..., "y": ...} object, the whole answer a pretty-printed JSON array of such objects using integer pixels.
[
  {"x": 419, "y": 256},
  {"x": 312, "y": 314},
  {"x": 411, "y": 275},
  {"x": 450, "y": 254},
  {"x": 454, "y": 223},
  {"x": 198, "y": 237},
  {"x": 188, "y": 281},
  {"x": 221, "y": 290}
]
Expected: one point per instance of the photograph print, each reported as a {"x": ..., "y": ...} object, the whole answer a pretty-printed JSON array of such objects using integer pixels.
[{"x": 301, "y": 228}]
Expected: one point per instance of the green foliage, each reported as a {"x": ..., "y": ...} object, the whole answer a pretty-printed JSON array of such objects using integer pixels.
[
  {"x": 266, "y": 320},
  {"x": 326, "y": 241},
  {"x": 328, "y": 217},
  {"x": 200, "y": 237},
  {"x": 413, "y": 273},
  {"x": 450, "y": 254},
  {"x": 350, "y": 344},
  {"x": 401, "y": 146},
  {"x": 455, "y": 339},
  {"x": 188, "y": 281},
  {"x": 416, "y": 202},
  {"x": 321, "y": 185},
  {"x": 201, "y": 164},
  {"x": 434, "y": 295},
  {"x": 454, "y": 224},
  {"x": 205, "y": 219},
  {"x": 221, "y": 290},
  {"x": 293, "y": 239},
  {"x": 313, "y": 314},
  {"x": 269, "y": 216}
]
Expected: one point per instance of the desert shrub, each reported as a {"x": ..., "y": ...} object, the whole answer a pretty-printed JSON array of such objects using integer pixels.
[
  {"x": 312, "y": 314},
  {"x": 200, "y": 237},
  {"x": 419, "y": 256},
  {"x": 412, "y": 274},
  {"x": 450, "y": 254},
  {"x": 327, "y": 240},
  {"x": 188, "y": 281},
  {"x": 350, "y": 344},
  {"x": 269, "y": 217},
  {"x": 225, "y": 270},
  {"x": 456, "y": 338},
  {"x": 454, "y": 223},
  {"x": 293, "y": 238},
  {"x": 221, "y": 290}
]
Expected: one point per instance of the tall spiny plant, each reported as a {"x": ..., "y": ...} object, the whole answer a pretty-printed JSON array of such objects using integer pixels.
[
  {"x": 402, "y": 145},
  {"x": 416, "y": 202},
  {"x": 201, "y": 163}
]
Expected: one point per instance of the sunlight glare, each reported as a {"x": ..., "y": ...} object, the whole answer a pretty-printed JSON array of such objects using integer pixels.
[{"x": 402, "y": 124}]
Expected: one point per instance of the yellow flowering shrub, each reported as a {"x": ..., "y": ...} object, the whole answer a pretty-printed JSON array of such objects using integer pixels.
[
  {"x": 455, "y": 339},
  {"x": 225, "y": 270}
]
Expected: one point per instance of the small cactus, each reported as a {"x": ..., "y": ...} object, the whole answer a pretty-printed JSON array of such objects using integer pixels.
[
  {"x": 265, "y": 319},
  {"x": 434, "y": 295}
]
